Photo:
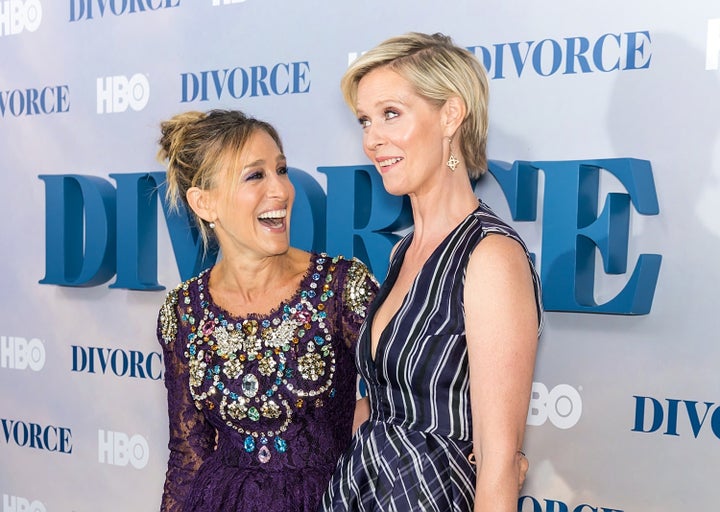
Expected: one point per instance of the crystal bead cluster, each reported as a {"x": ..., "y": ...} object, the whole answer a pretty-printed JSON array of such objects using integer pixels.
[{"x": 258, "y": 372}]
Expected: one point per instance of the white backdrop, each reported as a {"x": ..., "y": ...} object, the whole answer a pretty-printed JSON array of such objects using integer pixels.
[{"x": 624, "y": 413}]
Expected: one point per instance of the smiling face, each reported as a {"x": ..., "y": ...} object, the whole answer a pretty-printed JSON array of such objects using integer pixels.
[
  {"x": 403, "y": 132},
  {"x": 252, "y": 199}
]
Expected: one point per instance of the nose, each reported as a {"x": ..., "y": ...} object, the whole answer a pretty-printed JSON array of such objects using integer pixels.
[
  {"x": 372, "y": 138},
  {"x": 280, "y": 187}
]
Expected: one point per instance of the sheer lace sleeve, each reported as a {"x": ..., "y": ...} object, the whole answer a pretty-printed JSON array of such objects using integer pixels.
[{"x": 192, "y": 438}]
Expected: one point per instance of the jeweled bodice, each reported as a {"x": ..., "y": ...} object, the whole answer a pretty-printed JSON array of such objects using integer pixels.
[{"x": 269, "y": 391}]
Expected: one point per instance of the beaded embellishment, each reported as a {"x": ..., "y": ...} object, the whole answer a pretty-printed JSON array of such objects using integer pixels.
[{"x": 257, "y": 371}]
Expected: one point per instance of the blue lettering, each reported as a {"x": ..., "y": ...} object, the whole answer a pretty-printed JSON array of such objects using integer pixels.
[
  {"x": 17, "y": 103},
  {"x": 550, "y": 506},
  {"x": 80, "y": 359},
  {"x": 137, "y": 230},
  {"x": 80, "y": 9},
  {"x": 185, "y": 239},
  {"x": 75, "y": 16},
  {"x": 519, "y": 60},
  {"x": 536, "y": 506},
  {"x": 282, "y": 78},
  {"x": 133, "y": 364},
  {"x": 113, "y": 7},
  {"x": 6, "y": 429},
  {"x": 599, "y": 52},
  {"x": 152, "y": 356},
  {"x": 499, "y": 60},
  {"x": 80, "y": 230},
  {"x": 715, "y": 422},
  {"x": 122, "y": 237},
  {"x": 32, "y": 98},
  {"x": 572, "y": 230},
  {"x": 307, "y": 226},
  {"x": 695, "y": 422},
  {"x": 48, "y": 100},
  {"x": 274, "y": 79},
  {"x": 657, "y": 414},
  {"x": 259, "y": 75},
  {"x": 243, "y": 81},
  {"x": 636, "y": 48},
  {"x": 556, "y": 57},
  {"x": 102, "y": 358},
  {"x": 121, "y": 368},
  {"x": 32, "y": 435},
  {"x": 364, "y": 217},
  {"x": 672, "y": 417},
  {"x": 577, "y": 54},
  {"x": 301, "y": 78},
  {"x": 519, "y": 184},
  {"x": 188, "y": 81},
  {"x": 486, "y": 58},
  {"x": 609, "y": 52},
  {"x": 557, "y": 506},
  {"x": 21, "y": 433},
  {"x": 218, "y": 82}
]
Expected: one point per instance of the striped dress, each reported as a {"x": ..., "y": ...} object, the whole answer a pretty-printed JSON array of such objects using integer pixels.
[{"x": 413, "y": 452}]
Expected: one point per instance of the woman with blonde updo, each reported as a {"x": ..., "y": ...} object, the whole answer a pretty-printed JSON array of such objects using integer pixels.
[{"x": 258, "y": 349}]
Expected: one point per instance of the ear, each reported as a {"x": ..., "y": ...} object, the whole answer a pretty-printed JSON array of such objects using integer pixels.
[
  {"x": 454, "y": 111},
  {"x": 201, "y": 203}
]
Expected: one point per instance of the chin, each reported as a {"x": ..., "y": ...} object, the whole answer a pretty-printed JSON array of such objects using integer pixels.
[
  {"x": 395, "y": 189},
  {"x": 280, "y": 250}
]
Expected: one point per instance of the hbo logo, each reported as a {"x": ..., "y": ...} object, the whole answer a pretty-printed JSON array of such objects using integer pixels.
[
  {"x": 562, "y": 405},
  {"x": 18, "y": 504},
  {"x": 19, "y": 15},
  {"x": 117, "y": 93},
  {"x": 19, "y": 354},
  {"x": 118, "y": 449}
]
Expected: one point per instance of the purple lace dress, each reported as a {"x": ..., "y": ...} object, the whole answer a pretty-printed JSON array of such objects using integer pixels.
[{"x": 260, "y": 408}]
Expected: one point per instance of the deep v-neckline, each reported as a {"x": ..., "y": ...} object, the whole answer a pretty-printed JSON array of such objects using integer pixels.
[{"x": 392, "y": 279}]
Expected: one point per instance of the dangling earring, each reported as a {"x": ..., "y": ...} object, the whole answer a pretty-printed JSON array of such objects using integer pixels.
[
  {"x": 452, "y": 162},
  {"x": 211, "y": 225}
]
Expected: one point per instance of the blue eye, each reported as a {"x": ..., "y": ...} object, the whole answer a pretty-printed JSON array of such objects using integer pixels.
[{"x": 391, "y": 114}]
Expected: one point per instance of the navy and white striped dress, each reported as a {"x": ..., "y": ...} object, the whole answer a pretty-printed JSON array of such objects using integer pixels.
[{"x": 413, "y": 452}]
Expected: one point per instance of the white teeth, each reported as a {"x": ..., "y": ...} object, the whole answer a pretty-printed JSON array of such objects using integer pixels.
[
  {"x": 389, "y": 161},
  {"x": 274, "y": 214}
]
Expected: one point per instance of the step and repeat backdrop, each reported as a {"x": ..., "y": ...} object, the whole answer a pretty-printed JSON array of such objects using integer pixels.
[{"x": 605, "y": 155}]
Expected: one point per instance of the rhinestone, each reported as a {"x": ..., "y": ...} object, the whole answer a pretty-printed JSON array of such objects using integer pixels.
[
  {"x": 280, "y": 445},
  {"x": 249, "y": 444},
  {"x": 264, "y": 454},
  {"x": 250, "y": 385}
]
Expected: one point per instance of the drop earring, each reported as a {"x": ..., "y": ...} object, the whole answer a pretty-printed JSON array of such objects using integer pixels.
[{"x": 452, "y": 162}]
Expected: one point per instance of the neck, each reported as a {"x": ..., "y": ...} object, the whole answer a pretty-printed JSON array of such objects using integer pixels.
[
  {"x": 257, "y": 285},
  {"x": 437, "y": 211}
]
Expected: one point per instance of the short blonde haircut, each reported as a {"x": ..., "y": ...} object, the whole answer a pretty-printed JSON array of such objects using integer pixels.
[
  {"x": 196, "y": 146},
  {"x": 437, "y": 69}
]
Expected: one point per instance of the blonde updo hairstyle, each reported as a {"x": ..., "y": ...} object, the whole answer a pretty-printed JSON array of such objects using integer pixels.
[
  {"x": 197, "y": 146},
  {"x": 437, "y": 69}
]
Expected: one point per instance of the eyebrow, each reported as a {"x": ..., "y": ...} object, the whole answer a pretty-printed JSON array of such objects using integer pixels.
[{"x": 260, "y": 161}]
